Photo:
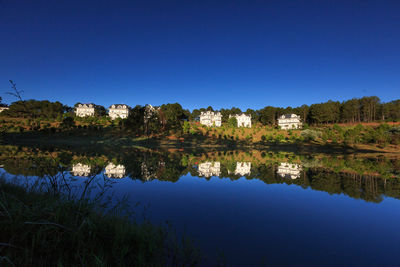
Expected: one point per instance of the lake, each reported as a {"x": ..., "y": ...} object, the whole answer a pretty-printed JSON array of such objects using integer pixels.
[{"x": 243, "y": 208}]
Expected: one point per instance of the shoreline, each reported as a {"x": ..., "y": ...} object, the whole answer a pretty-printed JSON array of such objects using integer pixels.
[
  {"x": 184, "y": 144},
  {"x": 49, "y": 228}
]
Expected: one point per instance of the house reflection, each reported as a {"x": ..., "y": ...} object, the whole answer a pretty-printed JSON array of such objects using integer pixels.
[
  {"x": 151, "y": 173},
  {"x": 289, "y": 170},
  {"x": 115, "y": 171},
  {"x": 208, "y": 169},
  {"x": 243, "y": 168},
  {"x": 80, "y": 169}
]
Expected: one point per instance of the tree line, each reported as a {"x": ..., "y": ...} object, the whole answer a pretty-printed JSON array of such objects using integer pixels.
[
  {"x": 356, "y": 110},
  {"x": 170, "y": 116}
]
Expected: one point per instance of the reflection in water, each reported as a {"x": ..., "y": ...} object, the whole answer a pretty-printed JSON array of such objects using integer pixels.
[
  {"x": 243, "y": 168},
  {"x": 208, "y": 169},
  {"x": 289, "y": 170},
  {"x": 248, "y": 217},
  {"x": 150, "y": 173},
  {"x": 370, "y": 178},
  {"x": 115, "y": 171},
  {"x": 80, "y": 169}
]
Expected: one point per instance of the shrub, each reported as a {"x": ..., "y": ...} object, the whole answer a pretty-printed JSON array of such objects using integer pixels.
[
  {"x": 270, "y": 138},
  {"x": 337, "y": 128},
  {"x": 359, "y": 127},
  {"x": 310, "y": 135},
  {"x": 232, "y": 122},
  {"x": 377, "y": 136},
  {"x": 395, "y": 130},
  {"x": 279, "y": 138},
  {"x": 249, "y": 138},
  {"x": 67, "y": 123},
  {"x": 334, "y": 140},
  {"x": 395, "y": 139},
  {"x": 263, "y": 138},
  {"x": 324, "y": 137}
]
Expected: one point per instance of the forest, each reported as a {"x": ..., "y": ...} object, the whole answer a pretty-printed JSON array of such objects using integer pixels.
[{"x": 356, "y": 110}]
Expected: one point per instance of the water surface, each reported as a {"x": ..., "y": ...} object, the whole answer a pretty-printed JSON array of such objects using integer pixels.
[{"x": 248, "y": 208}]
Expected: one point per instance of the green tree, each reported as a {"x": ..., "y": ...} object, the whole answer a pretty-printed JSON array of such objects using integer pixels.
[
  {"x": 35, "y": 109},
  {"x": 135, "y": 121},
  {"x": 268, "y": 115},
  {"x": 173, "y": 116},
  {"x": 350, "y": 111},
  {"x": 369, "y": 106},
  {"x": 194, "y": 114},
  {"x": 328, "y": 112},
  {"x": 232, "y": 122},
  {"x": 186, "y": 127}
]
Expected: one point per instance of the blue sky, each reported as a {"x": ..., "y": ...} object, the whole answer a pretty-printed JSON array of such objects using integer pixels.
[{"x": 200, "y": 53}]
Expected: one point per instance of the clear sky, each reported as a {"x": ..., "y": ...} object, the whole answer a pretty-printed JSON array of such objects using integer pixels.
[{"x": 200, "y": 53}]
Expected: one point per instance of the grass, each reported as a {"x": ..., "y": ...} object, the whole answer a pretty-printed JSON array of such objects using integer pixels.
[
  {"x": 40, "y": 229},
  {"x": 331, "y": 138}
]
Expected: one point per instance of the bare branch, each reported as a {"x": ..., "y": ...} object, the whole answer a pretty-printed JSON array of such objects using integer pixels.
[{"x": 17, "y": 93}]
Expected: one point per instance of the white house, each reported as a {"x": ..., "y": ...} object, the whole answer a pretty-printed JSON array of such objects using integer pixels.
[
  {"x": 210, "y": 118},
  {"x": 243, "y": 168},
  {"x": 80, "y": 169},
  {"x": 118, "y": 111},
  {"x": 289, "y": 170},
  {"x": 84, "y": 110},
  {"x": 115, "y": 171},
  {"x": 149, "y": 112},
  {"x": 208, "y": 169},
  {"x": 243, "y": 120},
  {"x": 289, "y": 121},
  {"x": 2, "y": 108}
]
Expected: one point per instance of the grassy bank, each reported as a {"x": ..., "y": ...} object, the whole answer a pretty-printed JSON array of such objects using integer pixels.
[
  {"x": 41, "y": 229},
  {"x": 189, "y": 142}
]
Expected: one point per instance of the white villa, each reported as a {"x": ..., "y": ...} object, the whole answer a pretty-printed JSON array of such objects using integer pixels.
[
  {"x": 210, "y": 118},
  {"x": 115, "y": 171},
  {"x": 243, "y": 168},
  {"x": 151, "y": 173},
  {"x": 84, "y": 110},
  {"x": 289, "y": 121},
  {"x": 208, "y": 169},
  {"x": 243, "y": 120},
  {"x": 288, "y": 170},
  {"x": 2, "y": 108},
  {"x": 118, "y": 111},
  {"x": 149, "y": 112},
  {"x": 80, "y": 169}
]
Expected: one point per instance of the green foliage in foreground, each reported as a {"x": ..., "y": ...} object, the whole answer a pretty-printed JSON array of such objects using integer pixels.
[
  {"x": 38, "y": 229},
  {"x": 310, "y": 134}
]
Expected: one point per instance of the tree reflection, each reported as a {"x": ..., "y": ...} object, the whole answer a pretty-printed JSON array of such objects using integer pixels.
[{"x": 362, "y": 177}]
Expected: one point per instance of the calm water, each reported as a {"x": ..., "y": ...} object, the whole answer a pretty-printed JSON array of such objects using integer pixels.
[{"x": 248, "y": 208}]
